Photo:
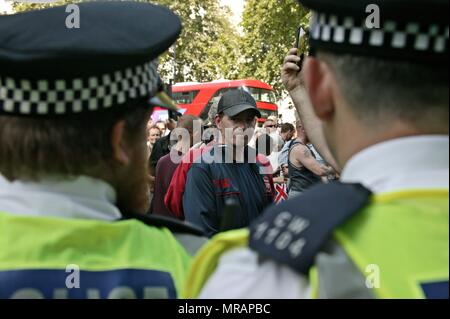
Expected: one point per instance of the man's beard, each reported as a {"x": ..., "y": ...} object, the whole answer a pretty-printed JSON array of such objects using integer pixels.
[{"x": 133, "y": 192}]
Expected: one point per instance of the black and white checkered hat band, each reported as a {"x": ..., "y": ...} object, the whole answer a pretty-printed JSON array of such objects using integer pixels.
[
  {"x": 59, "y": 97},
  {"x": 412, "y": 37}
]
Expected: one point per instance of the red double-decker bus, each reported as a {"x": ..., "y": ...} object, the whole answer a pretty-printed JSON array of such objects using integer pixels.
[{"x": 197, "y": 98}]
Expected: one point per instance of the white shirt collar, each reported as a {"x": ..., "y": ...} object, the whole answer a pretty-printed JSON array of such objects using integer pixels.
[
  {"x": 82, "y": 197},
  {"x": 419, "y": 162}
]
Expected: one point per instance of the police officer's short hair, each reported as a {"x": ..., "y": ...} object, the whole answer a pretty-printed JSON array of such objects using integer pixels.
[
  {"x": 32, "y": 148},
  {"x": 379, "y": 90}
]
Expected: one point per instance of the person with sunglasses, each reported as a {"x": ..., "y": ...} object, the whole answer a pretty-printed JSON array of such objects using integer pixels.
[{"x": 270, "y": 125}]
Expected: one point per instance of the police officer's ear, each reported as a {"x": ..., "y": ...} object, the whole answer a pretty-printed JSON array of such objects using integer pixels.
[
  {"x": 119, "y": 145},
  {"x": 320, "y": 83}
]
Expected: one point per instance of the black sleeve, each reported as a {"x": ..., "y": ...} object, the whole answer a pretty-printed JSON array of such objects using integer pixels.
[{"x": 160, "y": 149}]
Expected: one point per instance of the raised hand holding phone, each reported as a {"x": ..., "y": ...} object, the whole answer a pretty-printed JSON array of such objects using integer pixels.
[{"x": 301, "y": 43}]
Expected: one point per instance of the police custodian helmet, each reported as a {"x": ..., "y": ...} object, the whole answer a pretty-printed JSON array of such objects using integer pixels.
[{"x": 50, "y": 69}]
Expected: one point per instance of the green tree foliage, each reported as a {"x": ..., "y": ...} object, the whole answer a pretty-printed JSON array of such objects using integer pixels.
[
  {"x": 269, "y": 32},
  {"x": 207, "y": 49},
  {"x": 210, "y": 48},
  {"x": 25, "y": 6}
]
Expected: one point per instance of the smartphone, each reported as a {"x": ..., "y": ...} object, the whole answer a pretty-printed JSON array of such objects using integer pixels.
[{"x": 301, "y": 43}]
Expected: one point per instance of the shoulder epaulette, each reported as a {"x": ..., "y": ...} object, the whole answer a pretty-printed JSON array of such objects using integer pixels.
[{"x": 293, "y": 232}]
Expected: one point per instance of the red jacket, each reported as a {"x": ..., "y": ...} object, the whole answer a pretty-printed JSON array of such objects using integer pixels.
[{"x": 174, "y": 195}]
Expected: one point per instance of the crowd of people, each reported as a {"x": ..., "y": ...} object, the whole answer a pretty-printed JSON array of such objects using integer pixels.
[
  {"x": 191, "y": 208},
  {"x": 283, "y": 150}
]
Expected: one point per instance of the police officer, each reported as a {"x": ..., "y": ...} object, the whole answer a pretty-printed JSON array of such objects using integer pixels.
[
  {"x": 74, "y": 104},
  {"x": 381, "y": 95}
]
